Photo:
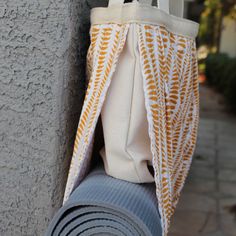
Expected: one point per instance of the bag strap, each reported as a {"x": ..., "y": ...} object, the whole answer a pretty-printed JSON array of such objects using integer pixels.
[
  {"x": 174, "y": 7},
  {"x": 177, "y": 8}
]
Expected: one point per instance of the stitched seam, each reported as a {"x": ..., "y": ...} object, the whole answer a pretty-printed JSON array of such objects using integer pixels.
[{"x": 131, "y": 105}]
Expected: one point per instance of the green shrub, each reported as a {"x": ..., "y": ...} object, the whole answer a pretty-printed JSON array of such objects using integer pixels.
[
  {"x": 230, "y": 87},
  {"x": 221, "y": 73},
  {"x": 215, "y": 66}
]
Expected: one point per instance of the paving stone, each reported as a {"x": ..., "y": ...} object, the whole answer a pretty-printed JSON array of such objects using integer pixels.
[
  {"x": 193, "y": 223},
  {"x": 226, "y": 153},
  {"x": 228, "y": 128},
  {"x": 227, "y": 142},
  {"x": 206, "y": 143},
  {"x": 227, "y": 158},
  {"x": 229, "y": 146},
  {"x": 196, "y": 202},
  {"x": 228, "y": 215},
  {"x": 182, "y": 234},
  {"x": 205, "y": 152},
  {"x": 227, "y": 163},
  {"x": 207, "y": 124},
  {"x": 227, "y": 205},
  {"x": 210, "y": 225},
  {"x": 203, "y": 160},
  {"x": 227, "y": 188},
  {"x": 225, "y": 137},
  {"x": 204, "y": 134},
  {"x": 215, "y": 233},
  {"x": 187, "y": 222},
  {"x": 227, "y": 175},
  {"x": 228, "y": 223},
  {"x": 227, "y": 123},
  {"x": 202, "y": 172},
  {"x": 199, "y": 185}
]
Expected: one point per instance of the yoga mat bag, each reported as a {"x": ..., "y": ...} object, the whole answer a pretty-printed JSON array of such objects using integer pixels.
[
  {"x": 103, "y": 205},
  {"x": 142, "y": 75}
]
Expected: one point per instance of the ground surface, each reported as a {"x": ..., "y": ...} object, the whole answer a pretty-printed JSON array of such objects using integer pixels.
[{"x": 207, "y": 205}]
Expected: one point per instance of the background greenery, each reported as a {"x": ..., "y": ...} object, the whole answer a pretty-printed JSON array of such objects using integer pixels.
[{"x": 219, "y": 68}]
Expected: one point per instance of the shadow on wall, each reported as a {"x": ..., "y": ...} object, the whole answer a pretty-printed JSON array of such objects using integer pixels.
[
  {"x": 74, "y": 84},
  {"x": 73, "y": 89}
]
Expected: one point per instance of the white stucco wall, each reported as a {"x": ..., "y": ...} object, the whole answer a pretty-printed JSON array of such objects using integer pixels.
[{"x": 43, "y": 45}]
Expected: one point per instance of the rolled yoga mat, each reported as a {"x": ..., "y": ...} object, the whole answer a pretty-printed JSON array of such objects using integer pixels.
[{"x": 105, "y": 206}]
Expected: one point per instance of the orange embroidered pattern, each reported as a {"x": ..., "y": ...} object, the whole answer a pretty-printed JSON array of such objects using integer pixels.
[
  {"x": 170, "y": 74},
  {"x": 107, "y": 42}
]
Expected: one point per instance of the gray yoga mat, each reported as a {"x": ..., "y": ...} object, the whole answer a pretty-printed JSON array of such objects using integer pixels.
[{"x": 106, "y": 206}]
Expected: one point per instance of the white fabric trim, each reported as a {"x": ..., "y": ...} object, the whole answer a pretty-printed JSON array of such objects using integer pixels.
[{"x": 142, "y": 13}]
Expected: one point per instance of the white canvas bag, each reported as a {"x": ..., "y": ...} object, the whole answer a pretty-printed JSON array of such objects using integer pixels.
[
  {"x": 127, "y": 151},
  {"x": 143, "y": 80}
]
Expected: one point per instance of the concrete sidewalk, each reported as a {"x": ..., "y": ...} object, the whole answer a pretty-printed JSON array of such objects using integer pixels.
[{"x": 207, "y": 205}]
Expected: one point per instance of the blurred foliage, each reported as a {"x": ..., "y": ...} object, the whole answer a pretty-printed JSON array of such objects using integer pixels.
[
  {"x": 230, "y": 87},
  {"x": 229, "y": 8},
  {"x": 215, "y": 64},
  {"x": 202, "y": 67},
  {"x": 211, "y": 21},
  {"x": 220, "y": 72}
]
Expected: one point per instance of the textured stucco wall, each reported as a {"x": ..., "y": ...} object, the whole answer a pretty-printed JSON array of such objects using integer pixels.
[{"x": 43, "y": 46}]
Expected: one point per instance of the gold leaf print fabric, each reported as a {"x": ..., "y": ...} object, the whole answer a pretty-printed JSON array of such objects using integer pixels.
[
  {"x": 170, "y": 76},
  {"x": 107, "y": 42}
]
